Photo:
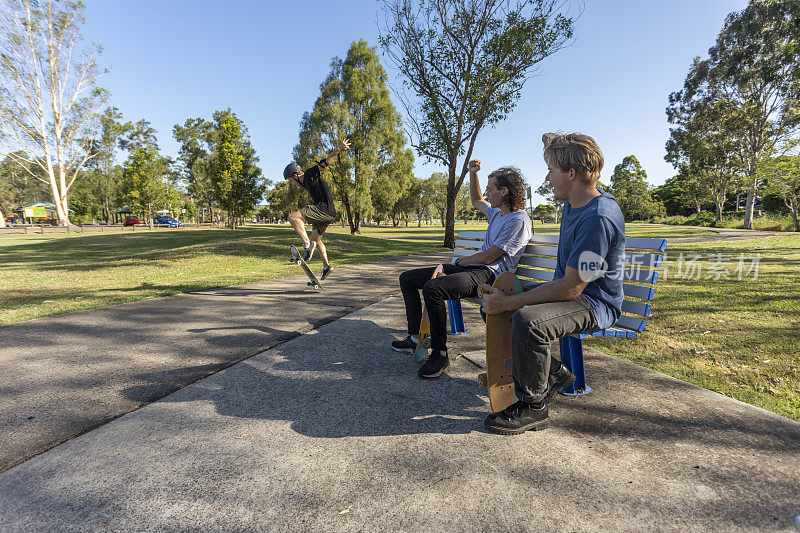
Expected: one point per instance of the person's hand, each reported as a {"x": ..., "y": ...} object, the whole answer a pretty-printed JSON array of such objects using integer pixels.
[
  {"x": 494, "y": 300},
  {"x": 344, "y": 146},
  {"x": 475, "y": 165}
]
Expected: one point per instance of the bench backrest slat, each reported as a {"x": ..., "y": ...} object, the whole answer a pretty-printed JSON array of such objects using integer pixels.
[
  {"x": 636, "y": 308},
  {"x": 469, "y": 244},
  {"x": 632, "y": 323},
  {"x": 540, "y": 262},
  {"x": 539, "y": 275},
  {"x": 631, "y": 273},
  {"x": 639, "y": 243},
  {"x": 646, "y": 244},
  {"x": 632, "y": 258}
]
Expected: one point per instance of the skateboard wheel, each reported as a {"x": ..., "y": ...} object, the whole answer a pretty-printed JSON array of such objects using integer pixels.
[{"x": 483, "y": 379}]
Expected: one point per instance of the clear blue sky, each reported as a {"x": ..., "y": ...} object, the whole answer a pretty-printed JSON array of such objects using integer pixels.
[{"x": 176, "y": 59}]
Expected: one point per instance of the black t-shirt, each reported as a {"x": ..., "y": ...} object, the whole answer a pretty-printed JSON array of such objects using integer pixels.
[{"x": 318, "y": 189}]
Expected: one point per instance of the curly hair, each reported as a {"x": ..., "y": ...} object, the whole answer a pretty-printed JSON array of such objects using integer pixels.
[{"x": 511, "y": 179}]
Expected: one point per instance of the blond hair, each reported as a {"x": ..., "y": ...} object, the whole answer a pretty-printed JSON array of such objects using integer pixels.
[{"x": 574, "y": 150}]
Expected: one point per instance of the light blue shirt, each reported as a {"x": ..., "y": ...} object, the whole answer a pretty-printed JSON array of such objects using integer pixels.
[{"x": 511, "y": 233}]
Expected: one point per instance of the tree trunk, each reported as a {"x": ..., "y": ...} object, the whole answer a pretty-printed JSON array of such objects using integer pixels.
[
  {"x": 450, "y": 217},
  {"x": 719, "y": 202},
  {"x": 749, "y": 209},
  {"x": 349, "y": 215},
  {"x": 792, "y": 205},
  {"x": 354, "y": 227}
]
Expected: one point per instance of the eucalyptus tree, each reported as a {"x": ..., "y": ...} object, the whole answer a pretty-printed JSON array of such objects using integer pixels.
[
  {"x": 235, "y": 178},
  {"x": 219, "y": 164},
  {"x": 464, "y": 64},
  {"x": 683, "y": 193},
  {"x": 283, "y": 199},
  {"x": 436, "y": 189},
  {"x": 546, "y": 190},
  {"x": 138, "y": 134},
  {"x": 408, "y": 203},
  {"x": 781, "y": 173},
  {"x": 629, "y": 186},
  {"x": 390, "y": 182},
  {"x": 703, "y": 150},
  {"x": 106, "y": 172},
  {"x": 754, "y": 67},
  {"x": 354, "y": 103},
  {"x": 49, "y": 100},
  {"x": 194, "y": 138},
  {"x": 145, "y": 183},
  {"x": 22, "y": 182}
]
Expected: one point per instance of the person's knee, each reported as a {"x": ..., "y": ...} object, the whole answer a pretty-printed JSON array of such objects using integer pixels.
[
  {"x": 433, "y": 289},
  {"x": 523, "y": 325}
]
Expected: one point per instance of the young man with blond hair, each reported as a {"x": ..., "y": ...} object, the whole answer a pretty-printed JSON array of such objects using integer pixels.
[
  {"x": 506, "y": 237},
  {"x": 579, "y": 298}
]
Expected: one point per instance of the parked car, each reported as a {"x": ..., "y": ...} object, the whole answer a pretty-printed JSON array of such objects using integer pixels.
[
  {"x": 132, "y": 221},
  {"x": 168, "y": 221}
]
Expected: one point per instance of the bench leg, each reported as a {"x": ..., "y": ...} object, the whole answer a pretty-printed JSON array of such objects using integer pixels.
[
  {"x": 572, "y": 356},
  {"x": 456, "y": 318}
]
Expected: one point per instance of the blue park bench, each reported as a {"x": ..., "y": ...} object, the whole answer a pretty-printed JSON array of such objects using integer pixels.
[{"x": 643, "y": 257}]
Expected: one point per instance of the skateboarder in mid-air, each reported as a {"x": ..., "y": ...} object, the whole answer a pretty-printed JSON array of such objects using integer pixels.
[{"x": 321, "y": 213}]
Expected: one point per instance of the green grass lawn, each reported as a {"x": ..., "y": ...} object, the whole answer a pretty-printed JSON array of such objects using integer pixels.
[
  {"x": 435, "y": 233},
  {"x": 42, "y": 275},
  {"x": 737, "y": 337}
]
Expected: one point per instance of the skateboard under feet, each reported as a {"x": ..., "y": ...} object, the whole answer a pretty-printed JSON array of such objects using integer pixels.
[{"x": 296, "y": 258}]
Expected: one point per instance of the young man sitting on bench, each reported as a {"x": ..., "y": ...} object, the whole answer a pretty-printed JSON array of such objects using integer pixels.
[
  {"x": 586, "y": 291},
  {"x": 506, "y": 237}
]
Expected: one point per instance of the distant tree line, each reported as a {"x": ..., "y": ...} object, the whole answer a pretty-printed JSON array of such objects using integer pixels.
[
  {"x": 736, "y": 120},
  {"x": 61, "y": 145}
]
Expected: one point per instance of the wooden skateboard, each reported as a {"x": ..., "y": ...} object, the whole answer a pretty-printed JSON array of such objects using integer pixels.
[
  {"x": 424, "y": 335},
  {"x": 497, "y": 377},
  {"x": 296, "y": 258}
]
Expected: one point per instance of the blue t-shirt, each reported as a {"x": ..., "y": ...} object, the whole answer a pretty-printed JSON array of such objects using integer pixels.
[
  {"x": 511, "y": 233},
  {"x": 592, "y": 240}
]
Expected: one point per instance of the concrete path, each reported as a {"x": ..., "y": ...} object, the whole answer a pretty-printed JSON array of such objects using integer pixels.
[
  {"x": 326, "y": 427},
  {"x": 67, "y": 374},
  {"x": 332, "y": 430}
]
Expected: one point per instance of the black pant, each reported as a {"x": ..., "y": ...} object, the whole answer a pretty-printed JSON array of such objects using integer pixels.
[{"x": 459, "y": 282}]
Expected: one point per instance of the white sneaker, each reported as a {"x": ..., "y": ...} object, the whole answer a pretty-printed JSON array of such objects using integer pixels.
[{"x": 309, "y": 251}]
